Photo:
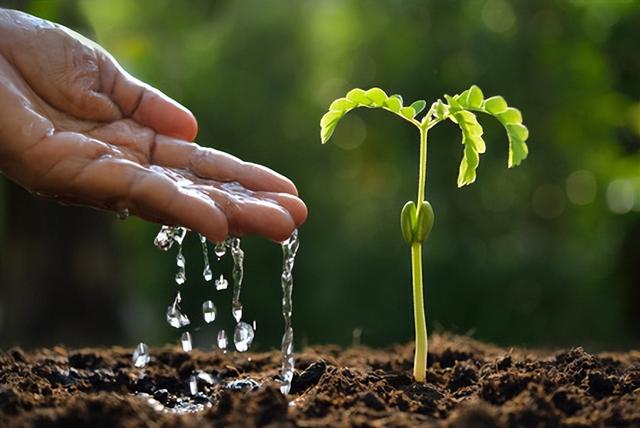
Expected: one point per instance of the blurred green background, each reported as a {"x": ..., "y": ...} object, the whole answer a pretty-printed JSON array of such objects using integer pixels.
[{"x": 547, "y": 254}]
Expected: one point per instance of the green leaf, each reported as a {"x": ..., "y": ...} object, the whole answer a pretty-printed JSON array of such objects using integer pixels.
[
  {"x": 407, "y": 112},
  {"x": 359, "y": 97},
  {"x": 342, "y": 104},
  {"x": 330, "y": 117},
  {"x": 327, "y": 132},
  {"x": 471, "y": 129},
  {"x": 518, "y": 151},
  {"x": 418, "y": 106},
  {"x": 377, "y": 96},
  {"x": 468, "y": 166},
  {"x": 495, "y": 105},
  {"x": 394, "y": 104},
  {"x": 408, "y": 222},
  {"x": 518, "y": 131},
  {"x": 453, "y": 102},
  {"x": 398, "y": 96},
  {"x": 510, "y": 116},
  {"x": 475, "y": 97}
]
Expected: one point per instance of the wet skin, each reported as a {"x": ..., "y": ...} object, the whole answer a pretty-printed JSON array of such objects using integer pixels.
[{"x": 76, "y": 127}]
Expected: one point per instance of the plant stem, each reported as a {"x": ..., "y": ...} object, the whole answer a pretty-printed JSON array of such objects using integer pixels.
[{"x": 420, "y": 358}]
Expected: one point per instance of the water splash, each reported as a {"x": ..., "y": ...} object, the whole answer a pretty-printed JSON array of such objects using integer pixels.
[
  {"x": 221, "y": 283},
  {"x": 243, "y": 336},
  {"x": 185, "y": 341},
  {"x": 208, "y": 311},
  {"x": 237, "y": 274},
  {"x": 175, "y": 317},
  {"x": 206, "y": 273},
  {"x": 289, "y": 251},
  {"x": 141, "y": 355},
  {"x": 222, "y": 340}
]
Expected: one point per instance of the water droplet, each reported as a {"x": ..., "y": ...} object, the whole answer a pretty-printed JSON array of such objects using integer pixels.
[
  {"x": 209, "y": 311},
  {"x": 255, "y": 325},
  {"x": 221, "y": 283},
  {"x": 220, "y": 250},
  {"x": 181, "y": 275},
  {"x": 222, "y": 340},
  {"x": 237, "y": 313},
  {"x": 185, "y": 340},
  {"x": 237, "y": 275},
  {"x": 123, "y": 214},
  {"x": 164, "y": 238},
  {"x": 243, "y": 336},
  {"x": 193, "y": 385},
  {"x": 206, "y": 273},
  {"x": 175, "y": 317},
  {"x": 141, "y": 355}
]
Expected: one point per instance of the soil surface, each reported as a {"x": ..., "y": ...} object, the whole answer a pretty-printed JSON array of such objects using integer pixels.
[{"x": 469, "y": 384}]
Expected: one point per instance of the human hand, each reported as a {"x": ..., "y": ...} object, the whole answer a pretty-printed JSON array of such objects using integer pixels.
[{"x": 75, "y": 127}]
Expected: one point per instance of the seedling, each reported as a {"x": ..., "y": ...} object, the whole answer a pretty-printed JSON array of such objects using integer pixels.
[{"x": 416, "y": 219}]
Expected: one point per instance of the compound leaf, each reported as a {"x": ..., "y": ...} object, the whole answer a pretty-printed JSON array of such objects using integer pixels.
[{"x": 468, "y": 165}]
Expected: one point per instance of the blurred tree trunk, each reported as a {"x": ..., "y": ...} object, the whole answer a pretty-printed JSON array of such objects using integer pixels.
[{"x": 59, "y": 279}]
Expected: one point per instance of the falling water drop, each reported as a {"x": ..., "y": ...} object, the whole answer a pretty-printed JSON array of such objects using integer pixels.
[
  {"x": 181, "y": 276},
  {"x": 220, "y": 250},
  {"x": 289, "y": 250},
  {"x": 237, "y": 274},
  {"x": 236, "y": 311},
  {"x": 185, "y": 340},
  {"x": 222, "y": 340},
  {"x": 164, "y": 239},
  {"x": 243, "y": 336},
  {"x": 206, "y": 273},
  {"x": 208, "y": 311},
  {"x": 175, "y": 317},
  {"x": 221, "y": 283},
  {"x": 255, "y": 325},
  {"x": 141, "y": 355}
]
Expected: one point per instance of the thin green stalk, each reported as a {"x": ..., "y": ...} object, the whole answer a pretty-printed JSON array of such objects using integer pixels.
[{"x": 420, "y": 358}]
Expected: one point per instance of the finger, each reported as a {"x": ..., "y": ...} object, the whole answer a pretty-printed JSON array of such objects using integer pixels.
[
  {"x": 294, "y": 205},
  {"x": 210, "y": 163},
  {"x": 249, "y": 215},
  {"x": 149, "y": 106}
]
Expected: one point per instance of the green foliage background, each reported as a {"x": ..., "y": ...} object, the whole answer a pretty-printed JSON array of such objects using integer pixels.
[{"x": 511, "y": 258}]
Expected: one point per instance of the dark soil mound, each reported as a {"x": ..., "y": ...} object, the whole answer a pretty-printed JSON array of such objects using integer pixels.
[{"x": 469, "y": 384}]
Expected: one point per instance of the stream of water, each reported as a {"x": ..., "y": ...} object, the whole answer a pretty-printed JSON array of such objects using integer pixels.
[{"x": 244, "y": 333}]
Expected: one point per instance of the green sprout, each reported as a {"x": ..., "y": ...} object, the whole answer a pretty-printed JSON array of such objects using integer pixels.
[{"x": 416, "y": 219}]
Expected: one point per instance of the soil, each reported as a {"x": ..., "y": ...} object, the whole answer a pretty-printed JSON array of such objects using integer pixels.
[{"x": 469, "y": 384}]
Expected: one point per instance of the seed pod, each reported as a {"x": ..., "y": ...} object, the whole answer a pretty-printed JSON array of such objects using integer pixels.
[
  {"x": 424, "y": 223},
  {"x": 408, "y": 221}
]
